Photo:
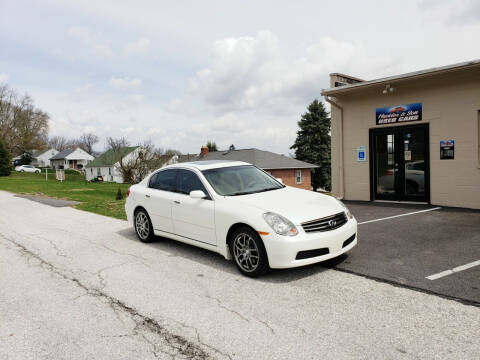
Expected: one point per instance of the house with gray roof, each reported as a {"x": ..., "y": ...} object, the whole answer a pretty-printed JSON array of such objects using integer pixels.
[
  {"x": 291, "y": 171},
  {"x": 75, "y": 158}
]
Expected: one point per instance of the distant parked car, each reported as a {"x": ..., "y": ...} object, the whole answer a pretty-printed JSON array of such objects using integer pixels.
[
  {"x": 28, "y": 168},
  {"x": 241, "y": 212}
]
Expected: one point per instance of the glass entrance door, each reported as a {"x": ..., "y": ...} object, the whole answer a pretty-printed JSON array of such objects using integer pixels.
[{"x": 400, "y": 163}]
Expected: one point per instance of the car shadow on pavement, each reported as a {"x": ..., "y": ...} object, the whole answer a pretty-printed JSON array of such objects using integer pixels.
[{"x": 206, "y": 257}]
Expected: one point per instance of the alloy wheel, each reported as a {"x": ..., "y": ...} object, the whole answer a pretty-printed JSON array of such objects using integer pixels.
[
  {"x": 246, "y": 252},
  {"x": 142, "y": 225}
]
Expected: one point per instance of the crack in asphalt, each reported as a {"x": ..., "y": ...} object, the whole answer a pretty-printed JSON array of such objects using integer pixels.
[
  {"x": 221, "y": 305},
  {"x": 177, "y": 344}
]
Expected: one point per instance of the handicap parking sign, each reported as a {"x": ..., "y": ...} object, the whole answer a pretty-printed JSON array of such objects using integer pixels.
[{"x": 361, "y": 153}]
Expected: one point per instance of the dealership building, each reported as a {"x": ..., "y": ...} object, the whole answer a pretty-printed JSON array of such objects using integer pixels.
[{"x": 413, "y": 137}]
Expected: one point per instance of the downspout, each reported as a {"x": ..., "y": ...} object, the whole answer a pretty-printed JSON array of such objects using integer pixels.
[{"x": 342, "y": 183}]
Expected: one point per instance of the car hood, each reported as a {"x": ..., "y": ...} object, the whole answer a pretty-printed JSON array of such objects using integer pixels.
[{"x": 296, "y": 205}]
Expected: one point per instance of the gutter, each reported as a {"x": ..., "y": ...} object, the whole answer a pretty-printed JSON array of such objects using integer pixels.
[{"x": 342, "y": 161}]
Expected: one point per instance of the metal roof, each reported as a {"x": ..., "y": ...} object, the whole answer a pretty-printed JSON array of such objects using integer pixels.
[
  {"x": 402, "y": 77},
  {"x": 111, "y": 157},
  {"x": 260, "y": 158}
]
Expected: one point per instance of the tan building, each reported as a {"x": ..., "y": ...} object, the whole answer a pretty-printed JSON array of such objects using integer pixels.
[{"x": 411, "y": 137}]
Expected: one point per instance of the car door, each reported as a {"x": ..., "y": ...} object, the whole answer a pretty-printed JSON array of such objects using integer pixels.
[
  {"x": 193, "y": 218},
  {"x": 159, "y": 197}
]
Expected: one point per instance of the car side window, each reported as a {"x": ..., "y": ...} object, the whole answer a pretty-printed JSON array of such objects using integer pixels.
[
  {"x": 188, "y": 181},
  {"x": 166, "y": 180},
  {"x": 152, "y": 181}
]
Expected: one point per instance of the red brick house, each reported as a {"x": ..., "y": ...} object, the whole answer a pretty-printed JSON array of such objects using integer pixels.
[{"x": 293, "y": 172}]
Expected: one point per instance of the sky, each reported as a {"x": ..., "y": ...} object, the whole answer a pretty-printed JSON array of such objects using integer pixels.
[{"x": 180, "y": 73}]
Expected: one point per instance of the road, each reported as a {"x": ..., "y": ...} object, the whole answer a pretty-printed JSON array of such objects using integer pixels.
[{"x": 76, "y": 285}]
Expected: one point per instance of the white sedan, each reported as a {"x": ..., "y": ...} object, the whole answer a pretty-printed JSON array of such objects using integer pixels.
[
  {"x": 240, "y": 212},
  {"x": 28, "y": 168}
]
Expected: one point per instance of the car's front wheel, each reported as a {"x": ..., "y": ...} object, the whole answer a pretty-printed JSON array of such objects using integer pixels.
[
  {"x": 143, "y": 226},
  {"x": 248, "y": 252},
  {"x": 37, "y": 171}
]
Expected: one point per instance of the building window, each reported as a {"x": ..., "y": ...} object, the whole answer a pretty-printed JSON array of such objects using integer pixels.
[
  {"x": 109, "y": 171},
  {"x": 99, "y": 173},
  {"x": 299, "y": 176},
  {"x": 91, "y": 171}
]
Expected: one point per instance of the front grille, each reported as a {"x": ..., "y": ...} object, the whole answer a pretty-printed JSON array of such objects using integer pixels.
[
  {"x": 325, "y": 224},
  {"x": 311, "y": 253}
]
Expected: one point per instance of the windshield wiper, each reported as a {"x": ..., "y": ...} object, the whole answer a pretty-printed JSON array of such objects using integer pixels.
[
  {"x": 239, "y": 193},
  {"x": 251, "y": 192},
  {"x": 267, "y": 189}
]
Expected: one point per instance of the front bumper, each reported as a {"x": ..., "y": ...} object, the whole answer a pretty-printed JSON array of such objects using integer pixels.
[{"x": 282, "y": 250}]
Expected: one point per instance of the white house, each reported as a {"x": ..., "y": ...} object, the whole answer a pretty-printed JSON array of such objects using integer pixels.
[
  {"x": 42, "y": 158},
  {"x": 71, "y": 159},
  {"x": 107, "y": 165}
]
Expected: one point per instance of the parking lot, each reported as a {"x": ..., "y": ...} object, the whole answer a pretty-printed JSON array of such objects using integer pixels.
[{"x": 424, "y": 247}]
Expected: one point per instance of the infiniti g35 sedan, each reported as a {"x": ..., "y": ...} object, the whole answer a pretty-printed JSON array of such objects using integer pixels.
[{"x": 242, "y": 213}]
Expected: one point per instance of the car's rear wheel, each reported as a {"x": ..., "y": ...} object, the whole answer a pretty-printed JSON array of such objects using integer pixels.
[
  {"x": 143, "y": 226},
  {"x": 248, "y": 252},
  {"x": 37, "y": 171}
]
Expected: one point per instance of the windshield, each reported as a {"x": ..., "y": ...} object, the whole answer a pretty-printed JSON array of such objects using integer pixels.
[{"x": 240, "y": 180}]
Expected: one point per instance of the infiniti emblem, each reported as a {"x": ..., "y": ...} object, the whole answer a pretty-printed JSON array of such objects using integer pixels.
[{"x": 332, "y": 223}]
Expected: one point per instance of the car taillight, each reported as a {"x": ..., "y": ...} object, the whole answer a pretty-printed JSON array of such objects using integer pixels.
[
  {"x": 128, "y": 192},
  {"x": 389, "y": 172}
]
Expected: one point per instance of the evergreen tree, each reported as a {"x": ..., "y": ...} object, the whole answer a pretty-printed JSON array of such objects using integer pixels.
[
  {"x": 119, "y": 194},
  {"x": 5, "y": 160},
  {"x": 26, "y": 159},
  {"x": 313, "y": 143},
  {"x": 212, "y": 146}
]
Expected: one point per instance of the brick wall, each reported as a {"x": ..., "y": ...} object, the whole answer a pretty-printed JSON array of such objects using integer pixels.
[{"x": 288, "y": 177}]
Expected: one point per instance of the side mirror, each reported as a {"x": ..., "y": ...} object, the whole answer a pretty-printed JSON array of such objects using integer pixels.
[
  {"x": 279, "y": 180},
  {"x": 197, "y": 194}
]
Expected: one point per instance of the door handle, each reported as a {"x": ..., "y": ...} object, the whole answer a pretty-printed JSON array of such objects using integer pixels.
[
  {"x": 176, "y": 202},
  {"x": 147, "y": 196}
]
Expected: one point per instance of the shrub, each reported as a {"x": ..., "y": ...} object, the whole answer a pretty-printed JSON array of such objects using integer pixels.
[
  {"x": 119, "y": 194},
  {"x": 5, "y": 160}
]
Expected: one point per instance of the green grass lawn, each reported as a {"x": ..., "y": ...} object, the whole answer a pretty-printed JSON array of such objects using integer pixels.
[{"x": 94, "y": 197}]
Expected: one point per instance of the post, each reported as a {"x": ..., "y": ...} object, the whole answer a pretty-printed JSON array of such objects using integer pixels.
[{"x": 46, "y": 174}]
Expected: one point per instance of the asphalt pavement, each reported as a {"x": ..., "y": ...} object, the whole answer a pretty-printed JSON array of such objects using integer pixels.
[
  {"x": 76, "y": 285},
  {"x": 406, "y": 243}
]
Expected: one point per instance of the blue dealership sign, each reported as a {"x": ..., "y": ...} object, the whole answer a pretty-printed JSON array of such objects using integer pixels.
[{"x": 399, "y": 114}]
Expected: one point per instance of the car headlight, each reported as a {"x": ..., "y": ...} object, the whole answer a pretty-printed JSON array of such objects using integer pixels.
[
  {"x": 349, "y": 214},
  {"x": 280, "y": 225}
]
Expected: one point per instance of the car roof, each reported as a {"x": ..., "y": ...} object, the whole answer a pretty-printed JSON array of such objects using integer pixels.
[{"x": 209, "y": 164}]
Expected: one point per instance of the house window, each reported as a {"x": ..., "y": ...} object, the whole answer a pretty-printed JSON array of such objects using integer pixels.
[
  {"x": 109, "y": 171},
  {"x": 91, "y": 171},
  {"x": 99, "y": 173},
  {"x": 299, "y": 176}
]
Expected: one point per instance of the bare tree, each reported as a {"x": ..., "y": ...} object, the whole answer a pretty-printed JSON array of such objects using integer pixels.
[
  {"x": 59, "y": 142},
  {"x": 23, "y": 127},
  {"x": 135, "y": 165},
  {"x": 117, "y": 144},
  {"x": 87, "y": 141}
]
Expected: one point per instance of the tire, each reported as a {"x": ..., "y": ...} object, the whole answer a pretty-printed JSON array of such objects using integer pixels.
[
  {"x": 248, "y": 252},
  {"x": 143, "y": 226},
  {"x": 37, "y": 172},
  {"x": 22, "y": 170}
]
